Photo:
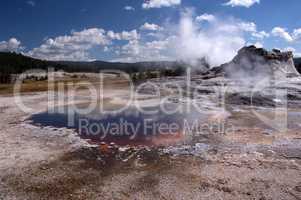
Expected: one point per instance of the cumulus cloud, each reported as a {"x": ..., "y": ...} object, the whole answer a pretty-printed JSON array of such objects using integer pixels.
[
  {"x": 205, "y": 17},
  {"x": 256, "y": 44},
  {"x": 287, "y": 36},
  {"x": 190, "y": 41},
  {"x": 150, "y": 27},
  {"x": 137, "y": 50},
  {"x": 260, "y": 34},
  {"x": 282, "y": 33},
  {"x": 251, "y": 27},
  {"x": 160, "y": 3},
  {"x": 248, "y": 26},
  {"x": 124, "y": 35},
  {"x": 243, "y": 3},
  {"x": 218, "y": 41},
  {"x": 77, "y": 45},
  {"x": 297, "y": 34},
  {"x": 129, "y": 8},
  {"x": 71, "y": 47},
  {"x": 11, "y": 45}
]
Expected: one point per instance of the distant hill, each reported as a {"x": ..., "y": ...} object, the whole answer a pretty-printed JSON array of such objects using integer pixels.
[
  {"x": 297, "y": 62},
  {"x": 13, "y": 63}
]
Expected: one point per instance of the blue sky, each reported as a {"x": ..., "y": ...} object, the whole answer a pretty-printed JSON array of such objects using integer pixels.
[{"x": 136, "y": 30}]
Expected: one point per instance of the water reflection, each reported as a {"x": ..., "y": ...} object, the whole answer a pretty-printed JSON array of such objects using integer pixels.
[{"x": 130, "y": 127}]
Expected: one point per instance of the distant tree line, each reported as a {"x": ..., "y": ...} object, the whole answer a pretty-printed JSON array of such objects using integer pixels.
[
  {"x": 150, "y": 74},
  {"x": 298, "y": 64},
  {"x": 13, "y": 63}
]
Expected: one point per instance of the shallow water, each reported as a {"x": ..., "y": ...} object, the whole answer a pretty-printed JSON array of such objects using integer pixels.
[
  {"x": 269, "y": 119},
  {"x": 160, "y": 128},
  {"x": 128, "y": 127}
]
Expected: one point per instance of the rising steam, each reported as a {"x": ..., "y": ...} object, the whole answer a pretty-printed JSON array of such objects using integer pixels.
[{"x": 216, "y": 41}]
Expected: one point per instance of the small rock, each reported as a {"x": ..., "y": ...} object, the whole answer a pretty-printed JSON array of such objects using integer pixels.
[
  {"x": 222, "y": 181},
  {"x": 226, "y": 189},
  {"x": 298, "y": 188}
]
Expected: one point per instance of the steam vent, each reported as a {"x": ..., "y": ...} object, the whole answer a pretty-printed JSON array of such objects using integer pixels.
[{"x": 252, "y": 62}]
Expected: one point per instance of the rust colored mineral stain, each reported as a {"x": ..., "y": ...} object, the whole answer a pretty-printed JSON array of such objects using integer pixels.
[
  {"x": 154, "y": 141},
  {"x": 104, "y": 148},
  {"x": 167, "y": 140}
]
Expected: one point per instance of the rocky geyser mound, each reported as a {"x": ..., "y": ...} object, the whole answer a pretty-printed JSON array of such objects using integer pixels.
[{"x": 256, "y": 63}]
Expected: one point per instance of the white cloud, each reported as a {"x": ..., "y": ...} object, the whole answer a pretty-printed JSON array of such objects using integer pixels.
[
  {"x": 135, "y": 51},
  {"x": 248, "y": 26},
  {"x": 297, "y": 34},
  {"x": 73, "y": 47},
  {"x": 205, "y": 17},
  {"x": 124, "y": 35},
  {"x": 160, "y": 3},
  {"x": 244, "y": 3},
  {"x": 235, "y": 26},
  {"x": 11, "y": 45},
  {"x": 132, "y": 49},
  {"x": 106, "y": 49},
  {"x": 260, "y": 34},
  {"x": 157, "y": 45},
  {"x": 31, "y": 3},
  {"x": 218, "y": 42},
  {"x": 76, "y": 47},
  {"x": 256, "y": 44},
  {"x": 132, "y": 35},
  {"x": 282, "y": 33},
  {"x": 150, "y": 27},
  {"x": 252, "y": 28},
  {"x": 187, "y": 40},
  {"x": 129, "y": 8}
]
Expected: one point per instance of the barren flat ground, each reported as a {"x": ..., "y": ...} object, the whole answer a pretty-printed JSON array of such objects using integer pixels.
[{"x": 53, "y": 163}]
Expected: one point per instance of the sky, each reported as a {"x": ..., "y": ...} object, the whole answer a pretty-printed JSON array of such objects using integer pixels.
[{"x": 147, "y": 30}]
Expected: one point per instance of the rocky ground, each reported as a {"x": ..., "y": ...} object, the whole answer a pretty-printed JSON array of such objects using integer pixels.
[{"x": 45, "y": 163}]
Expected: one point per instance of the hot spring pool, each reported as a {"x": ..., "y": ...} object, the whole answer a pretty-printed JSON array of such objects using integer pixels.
[{"x": 128, "y": 127}]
